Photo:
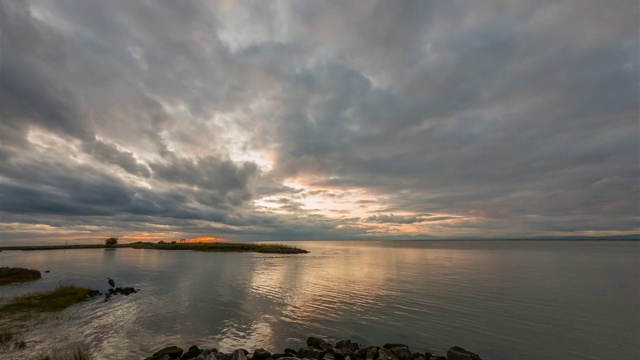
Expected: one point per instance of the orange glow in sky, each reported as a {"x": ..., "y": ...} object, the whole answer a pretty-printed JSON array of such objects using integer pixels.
[{"x": 206, "y": 239}]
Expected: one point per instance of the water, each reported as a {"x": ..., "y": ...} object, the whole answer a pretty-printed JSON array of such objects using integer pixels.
[{"x": 501, "y": 299}]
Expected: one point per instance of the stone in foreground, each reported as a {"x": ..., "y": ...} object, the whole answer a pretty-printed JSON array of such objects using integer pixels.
[
  {"x": 173, "y": 352},
  {"x": 458, "y": 353}
]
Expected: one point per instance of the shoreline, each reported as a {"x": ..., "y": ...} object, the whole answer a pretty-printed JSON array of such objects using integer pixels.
[
  {"x": 317, "y": 349},
  {"x": 210, "y": 247}
]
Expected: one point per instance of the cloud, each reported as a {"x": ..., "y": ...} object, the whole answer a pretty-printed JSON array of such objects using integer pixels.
[{"x": 319, "y": 120}]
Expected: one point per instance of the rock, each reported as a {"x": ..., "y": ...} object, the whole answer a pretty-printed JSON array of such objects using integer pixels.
[
  {"x": 289, "y": 358},
  {"x": 291, "y": 352},
  {"x": 402, "y": 352},
  {"x": 437, "y": 357},
  {"x": 261, "y": 354},
  {"x": 389, "y": 346},
  {"x": 346, "y": 344},
  {"x": 278, "y": 356},
  {"x": 458, "y": 353},
  {"x": 223, "y": 356},
  {"x": 420, "y": 356},
  {"x": 192, "y": 353},
  {"x": 372, "y": 353},
  {"x": 386, "y": 354},
  {"x": 173, "y": 352},
  {"x": 239, "y": 354},
  {"x": 207, "y": 354},
  {"x": 336, "y": 354},
  {"x": 165, "y": 357},
  {"x": 310, "y": 353},
  {"x": 313, "y": 341}
]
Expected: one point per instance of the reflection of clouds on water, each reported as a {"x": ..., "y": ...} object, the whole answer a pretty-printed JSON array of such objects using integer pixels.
[
  {"x": 428, "y": 294},
  {"x": 258, "y": 332}
]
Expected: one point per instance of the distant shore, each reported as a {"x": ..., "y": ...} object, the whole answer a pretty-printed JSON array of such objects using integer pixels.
[{"x": 213, "y": 247}]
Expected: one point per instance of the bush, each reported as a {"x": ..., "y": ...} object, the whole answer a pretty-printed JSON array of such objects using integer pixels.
[{"x": 112, "y": 241}]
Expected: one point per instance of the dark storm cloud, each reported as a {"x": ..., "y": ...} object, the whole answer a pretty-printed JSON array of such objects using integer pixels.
[
  {"x": 109, "y": 153},
  {"x": 518, "y": 118}
]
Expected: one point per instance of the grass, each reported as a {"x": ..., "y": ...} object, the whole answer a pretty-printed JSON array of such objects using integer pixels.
[
  {"x": 8, "y": 339},
  {"x": 77, "y": 354},
  {"x": 220, "y": 246},
  {"x": 55, "y": 300},
  {"x": 17, "y": 275},
  {"x": 55, "y": 247}
]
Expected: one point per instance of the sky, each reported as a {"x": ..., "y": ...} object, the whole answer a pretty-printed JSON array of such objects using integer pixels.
[{"x": 299, "y": 120}]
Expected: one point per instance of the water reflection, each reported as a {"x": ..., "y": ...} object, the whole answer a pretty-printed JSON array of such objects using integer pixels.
[{"x": 494, "y": 298}]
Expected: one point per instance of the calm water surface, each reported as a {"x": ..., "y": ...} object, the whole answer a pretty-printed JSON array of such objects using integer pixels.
[{"x": 503, "y": 300}]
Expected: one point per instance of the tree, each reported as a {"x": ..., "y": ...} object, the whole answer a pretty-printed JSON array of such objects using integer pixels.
[{"x": 112, "y": 241}]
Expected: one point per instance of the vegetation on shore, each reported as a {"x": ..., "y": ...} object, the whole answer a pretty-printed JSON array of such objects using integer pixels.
[
  {"x": 77, "y": 354},
  {"x": 10, "y": 275},
  {"x": 221, "y": 246},
  {"x": 9, "y": 339},
  {"x": 55, "y": 300},
  {"x": 218, "y": 246}
]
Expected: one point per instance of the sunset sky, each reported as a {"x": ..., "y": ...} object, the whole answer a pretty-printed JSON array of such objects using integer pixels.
[{"x": 282, "y": 120}]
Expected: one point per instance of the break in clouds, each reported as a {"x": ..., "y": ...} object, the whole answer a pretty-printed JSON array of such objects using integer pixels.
[{"x": 260, "y": 120}]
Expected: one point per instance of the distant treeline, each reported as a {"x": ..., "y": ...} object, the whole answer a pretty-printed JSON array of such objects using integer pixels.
[{"x": 220, "y": 247}]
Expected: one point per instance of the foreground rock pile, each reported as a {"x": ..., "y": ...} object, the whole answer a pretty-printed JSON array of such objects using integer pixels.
[{"x": 316, "y": 349}]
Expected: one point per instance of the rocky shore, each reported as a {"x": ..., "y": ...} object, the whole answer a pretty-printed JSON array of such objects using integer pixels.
[{"x": 316, "y": 349}]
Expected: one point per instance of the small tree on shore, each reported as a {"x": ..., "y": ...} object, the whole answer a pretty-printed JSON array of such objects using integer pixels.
[{"x": 112, "y": 241}]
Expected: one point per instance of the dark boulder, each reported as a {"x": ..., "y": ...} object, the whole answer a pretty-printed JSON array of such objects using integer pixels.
[
  {"x": 402, "y": 352},
  {"x": 386, "y": 354},
  {"x": 458, "y": 353},
  {"x": 372, "y": 353},
  {"x": 314, "y": 342},
  {"x": 239, "y": 354},
  {"x": 310, "y": 353},
  {"x": 261, "y": 354},
  {"x": 392, "y": 345},
  {"x": 173, "y": 352},
  {"x": 437, "y": 357},
  {"x": 223, "y": 356},
  {"x": 362, "y": 353},
  {"x": 346, "y": 344},
  {"x": 290, "y": 352},
  {"x": 192, "y": 353},
  {"x": 278, "y": 356},
  {"x": 420, "y": 356}
]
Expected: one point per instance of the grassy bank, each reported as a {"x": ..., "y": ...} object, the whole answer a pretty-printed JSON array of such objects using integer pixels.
[
  {"x": 57, "y": 299},
  {"x": 17, "y": 275},
  {"x": 54, "y": 247},
  {"x": 220, "y": 247}
]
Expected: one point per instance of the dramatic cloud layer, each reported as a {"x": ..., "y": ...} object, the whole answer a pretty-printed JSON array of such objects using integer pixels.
[{"x": 318, "y": 120}]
